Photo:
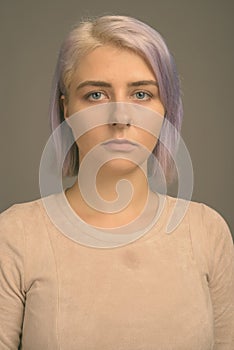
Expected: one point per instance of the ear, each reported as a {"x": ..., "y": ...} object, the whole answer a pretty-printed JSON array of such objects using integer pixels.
[{"x": 64, "y": 106}]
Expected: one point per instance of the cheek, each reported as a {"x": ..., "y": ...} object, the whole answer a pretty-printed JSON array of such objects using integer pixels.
[
  {"x": 91, "y": 138},
  {"x": 161, "y": 109},
  {"x": 147, "y": 140}
]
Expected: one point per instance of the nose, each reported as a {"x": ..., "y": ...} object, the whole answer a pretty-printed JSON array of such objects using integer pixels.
[{"x": 120, "y": 116}]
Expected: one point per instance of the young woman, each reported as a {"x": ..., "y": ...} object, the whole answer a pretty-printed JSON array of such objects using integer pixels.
[{"x": 116, "y": 93}]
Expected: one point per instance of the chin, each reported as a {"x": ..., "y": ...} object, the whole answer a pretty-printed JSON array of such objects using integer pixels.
[{"x": 122, "y": 166}]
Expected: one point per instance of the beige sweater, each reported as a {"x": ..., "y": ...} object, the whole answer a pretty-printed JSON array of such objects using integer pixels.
[{"x": 162, "y": 292}]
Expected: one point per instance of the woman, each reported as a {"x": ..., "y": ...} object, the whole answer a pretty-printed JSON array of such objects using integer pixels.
[{"x": 60, "y": 288}]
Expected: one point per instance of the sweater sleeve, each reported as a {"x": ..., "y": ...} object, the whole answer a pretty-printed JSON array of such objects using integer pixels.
[
  {"x": 12, "y": 289},
  {"x": 221, "y": 277}
]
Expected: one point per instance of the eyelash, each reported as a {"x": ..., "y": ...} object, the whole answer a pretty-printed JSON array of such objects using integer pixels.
[
  {"x": 89, "y": 95},
  {"x": 149, "y": 95}
]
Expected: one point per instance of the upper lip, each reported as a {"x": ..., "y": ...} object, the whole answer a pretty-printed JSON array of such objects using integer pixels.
[{"x": 119, "y": 141}]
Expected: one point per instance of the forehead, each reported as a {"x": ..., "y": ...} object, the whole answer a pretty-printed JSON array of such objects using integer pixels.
[{"x": 109, "y": 62}]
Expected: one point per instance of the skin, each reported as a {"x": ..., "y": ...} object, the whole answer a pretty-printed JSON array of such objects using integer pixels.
[{"x": 119, "y": 71}]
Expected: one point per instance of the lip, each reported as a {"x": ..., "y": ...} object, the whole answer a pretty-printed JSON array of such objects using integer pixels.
[{"x": 120, "y": 145}]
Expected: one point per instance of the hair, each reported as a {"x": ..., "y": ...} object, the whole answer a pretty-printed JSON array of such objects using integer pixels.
[{"x": 126, "y": 33}]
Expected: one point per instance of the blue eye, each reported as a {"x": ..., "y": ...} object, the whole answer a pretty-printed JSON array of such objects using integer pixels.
[
  {"x": 141, "y": 95},
  {"x": 95, "y": 95}
]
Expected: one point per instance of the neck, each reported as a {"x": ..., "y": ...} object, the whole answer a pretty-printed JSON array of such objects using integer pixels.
[
  {"x": 97, "y": 206},
  {"x": 114, "y": 183}
]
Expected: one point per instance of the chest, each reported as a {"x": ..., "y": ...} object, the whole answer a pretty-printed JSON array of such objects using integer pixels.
[{"x": 140, "y": 297}]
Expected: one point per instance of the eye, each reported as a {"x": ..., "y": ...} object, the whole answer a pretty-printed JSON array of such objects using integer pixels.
[
  {"x": 142, "y": 95},
  {"x": 95, "y": 96}
]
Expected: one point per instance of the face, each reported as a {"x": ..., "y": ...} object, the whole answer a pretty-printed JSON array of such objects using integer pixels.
[{"x": 109, "y": 74}]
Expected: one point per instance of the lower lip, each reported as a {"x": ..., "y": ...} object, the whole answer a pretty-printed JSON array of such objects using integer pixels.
[{"x": 120, "y": 147}]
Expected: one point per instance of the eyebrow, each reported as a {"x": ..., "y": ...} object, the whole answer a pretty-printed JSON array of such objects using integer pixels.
[
  {"x": 144, "y": 82},
  {"x": 105, "y": 84}
]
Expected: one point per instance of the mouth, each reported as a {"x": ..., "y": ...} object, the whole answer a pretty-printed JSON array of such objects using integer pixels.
[{"x": 120, "y": 145}]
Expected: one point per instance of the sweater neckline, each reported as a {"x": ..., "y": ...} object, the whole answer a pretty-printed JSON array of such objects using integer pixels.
[{"x": 72, "y": 226}]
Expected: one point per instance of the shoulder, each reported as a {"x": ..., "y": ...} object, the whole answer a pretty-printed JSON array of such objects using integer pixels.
[
  {"x": 208, "y": 230},
  {"x": 199, "y": 214},
  {"x": 204, "y": 224},
  {"x": 209, "y": 235},
  {"x": 12, "y": 233},
  {"x": 210, "y": 220},
  {"x": 24, "y": 229},
  {"x": 19, "y": 213},
  {"x": 22, "y": 221},
  {"x": 19, "y": 208}
]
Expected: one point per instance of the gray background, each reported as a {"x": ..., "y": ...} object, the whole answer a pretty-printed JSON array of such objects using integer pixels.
[{"x": 200, "y": 36}]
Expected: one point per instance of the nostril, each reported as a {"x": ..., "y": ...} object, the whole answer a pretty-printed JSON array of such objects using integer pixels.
[{"x": 121, "y": 124}]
